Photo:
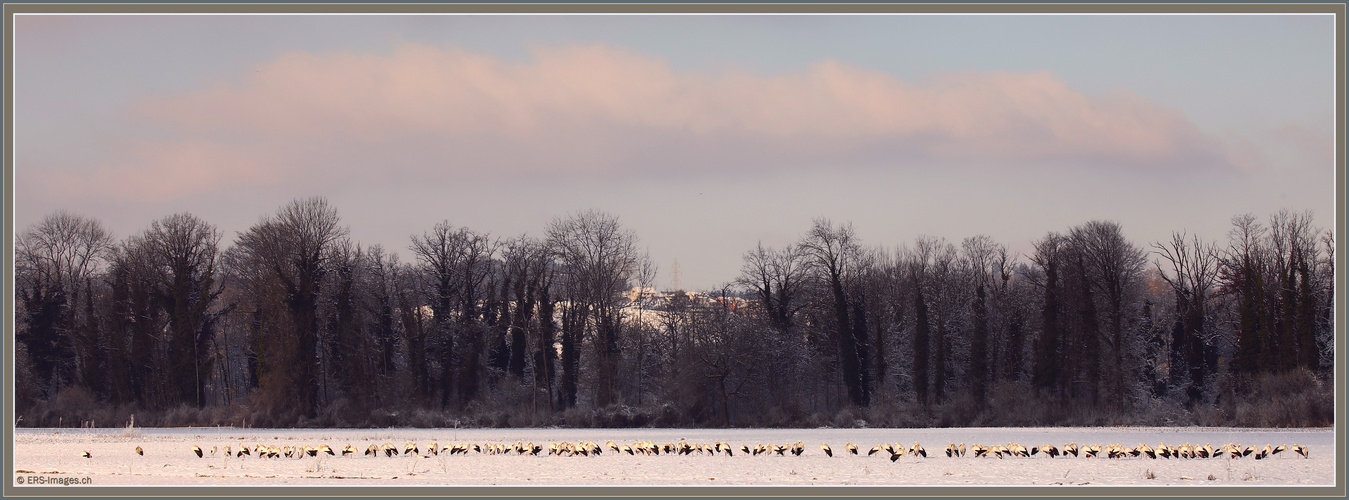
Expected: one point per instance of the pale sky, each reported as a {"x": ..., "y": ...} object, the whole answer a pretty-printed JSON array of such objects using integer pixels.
[{"x": 704, "y": 134}]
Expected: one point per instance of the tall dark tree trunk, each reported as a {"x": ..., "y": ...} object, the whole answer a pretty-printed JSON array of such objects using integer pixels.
[
  {"x": 95, "y": 369},
  {"x": 979, "y": 349},
  {"x": 124, "y": 310},
  {"x": 1016, "y": 341},
  {"x": 42, "y": 337},
  {"x": 303, "y": 305},
  {"x": 1180, "y": 346},
  {"x": 1286, "y": 326},
  {"x": 1251, "y": 326},
  {"x": 453, "y": 349},
  {"x": 861, "y": 340},
  {"x": 470, "y": 361},
  {"x": 921, "y": 350},
  {"x": 1046, "y": 372},
  {"x": 499, "y": 325},
  {"x": 448, "y": 344},
  {"x": 347, "y": 349},
  {"x": 1308, "y": 353},
  {"x": 939, "y": 350},
  {"x": 573, "y": 323},
  {"x": 1117, "y": 367},
  {"x": 1195, "y": 347},
  {"x": 846, "y": 342},
  {"x": 546, "y": 352},
  {"x": 182, "y": 333},
  {"x": 472, "y": 328},
  {"x": 1327, "y": 327},
  {"x": 385, "y": 335},
  {"x": 878, "y": 330},
  {"x": 524, "y": 315},
  {"x": 606, "y": 357},
  {"x": 414, "y": 331},
  {"x": 1089, "y": 338},
  {"x": 256, "y": 335},
  {"x": 1270, "y": 328}
]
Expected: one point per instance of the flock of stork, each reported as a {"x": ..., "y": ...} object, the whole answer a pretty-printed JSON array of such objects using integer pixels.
[
  {"x": 1162, "y": 450},
  {"x": 683, "y": 447}
]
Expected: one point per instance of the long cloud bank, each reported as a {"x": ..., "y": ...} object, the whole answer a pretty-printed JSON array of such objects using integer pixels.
[{"x": 434, "y": 113}]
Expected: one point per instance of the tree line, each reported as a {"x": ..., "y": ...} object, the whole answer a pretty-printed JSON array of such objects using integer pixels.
[{"x": 293, "y": 323}]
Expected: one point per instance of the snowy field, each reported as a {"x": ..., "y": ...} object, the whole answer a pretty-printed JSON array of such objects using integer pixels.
[{"x": 169, "y": 460}]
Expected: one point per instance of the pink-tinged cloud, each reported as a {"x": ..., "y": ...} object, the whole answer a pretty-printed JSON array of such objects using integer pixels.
[
  {"x": 427, "y": 112},
  {"x": 161, "y": 171}
]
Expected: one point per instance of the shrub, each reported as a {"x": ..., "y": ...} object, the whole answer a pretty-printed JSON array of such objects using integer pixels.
[
  {"x": 1289, "y": 399},
  {"x": 1017, "y": 404}
]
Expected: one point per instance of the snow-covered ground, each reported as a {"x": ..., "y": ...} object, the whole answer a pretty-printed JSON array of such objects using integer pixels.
[{"x": 169, "y": 459}]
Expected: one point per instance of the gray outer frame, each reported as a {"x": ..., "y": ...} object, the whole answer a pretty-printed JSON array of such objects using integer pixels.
[{"x": 7, "y": 222}]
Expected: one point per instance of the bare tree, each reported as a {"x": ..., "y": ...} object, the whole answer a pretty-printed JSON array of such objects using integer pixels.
[
  {"x": 1242, "y": 269},
  {"x": 726, "y": 349},
  {"x": 1192, "y": 274},
  {"x": 833, "y": 254},
  {"x": 458, "y": 262},
  {"x": 1047, "y": 372},
  {"x": 545, "y": 343},
  {"x": 410, "y": 286},
  {"x": 346, "y": 338},
  {"x": 878, "y": 313},
  {"x": 136, "y": 324},
  {"x": 946, "y": 291},
  {"x": 1116, "y": 264},
  {"x": 598, "y": 258},
  {"x": 382, "y": 285},
  {"x": 1325, "y": 336},
  {"x": 1292, "y": 243},
  {"x": 646, "y": 281},
  {"x": 293, "y": 249},
  {"x": 980, "y": 256},
  {"x": 515, "y": 256},
  {"x": 55, "y": 262},
  {"x": 185, "y": 249},
  {"x": 776, "y": 277},
  {"x": 1011, "y": 301}
]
